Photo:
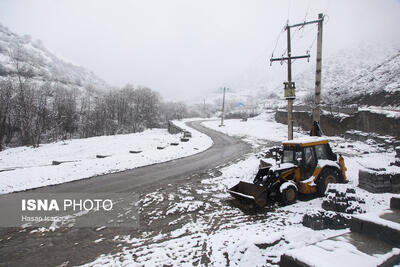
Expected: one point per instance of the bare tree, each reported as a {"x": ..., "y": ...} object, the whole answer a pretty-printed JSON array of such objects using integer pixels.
[{"x": 6, "y": 94}]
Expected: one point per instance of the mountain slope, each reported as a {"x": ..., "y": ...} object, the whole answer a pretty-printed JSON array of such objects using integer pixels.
[
  {"x": 380, "y": 86},
  {"x": 355, "y": 73},
  {"x": 366, "y": 74},
  {"x": 36, "y": 62}
]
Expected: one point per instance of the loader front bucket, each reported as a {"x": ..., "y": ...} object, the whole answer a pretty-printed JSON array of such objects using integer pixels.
[{"x": 248, "y": 192}]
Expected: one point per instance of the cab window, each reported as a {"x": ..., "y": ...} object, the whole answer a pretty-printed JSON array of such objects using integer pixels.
[
  {"x": 322, "y": 151},
  {"x": 309, "y": 158},
  {"x": 298, "y": 155},
  {"x": 287, "y": 156}
]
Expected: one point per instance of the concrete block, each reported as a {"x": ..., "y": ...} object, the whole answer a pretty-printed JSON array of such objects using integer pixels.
[
  {"x": 379, "y": 231},
  {"x": 320, "y": 220},
  {"x": 378, "y": 182},
  {"x": 395, "y": 203},
  {"x": 288, "y": 261}
]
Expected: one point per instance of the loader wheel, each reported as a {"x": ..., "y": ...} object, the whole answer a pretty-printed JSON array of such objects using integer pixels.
[
  {"x": 330, "y": 177},
  {"x": 289, "y": 195}
]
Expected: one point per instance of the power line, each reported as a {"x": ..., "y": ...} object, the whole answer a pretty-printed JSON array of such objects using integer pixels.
[
  {"x": 289, "y": 85},
  {"x": 308, "y": 8},
  {"x": 277, "y": 40}
]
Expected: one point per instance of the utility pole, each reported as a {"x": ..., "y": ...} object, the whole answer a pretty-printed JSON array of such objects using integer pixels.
[
  {"x": 223, "y": 109},
  {"x": 291, "y": 96},
  {"x": 317, "y": 100},
  {"x": 289, "y": 89}
]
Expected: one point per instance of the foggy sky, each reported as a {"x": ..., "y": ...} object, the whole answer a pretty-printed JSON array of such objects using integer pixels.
[{"x": 185, "y": 48}]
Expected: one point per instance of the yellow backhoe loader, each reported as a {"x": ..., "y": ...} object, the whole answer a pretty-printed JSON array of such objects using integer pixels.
[{"x": 307, "y": 166}]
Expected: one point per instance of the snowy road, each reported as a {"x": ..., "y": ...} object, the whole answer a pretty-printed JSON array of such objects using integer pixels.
[
  {"x": 225, "y": 149},
  {"x": 80, "y": 245}
]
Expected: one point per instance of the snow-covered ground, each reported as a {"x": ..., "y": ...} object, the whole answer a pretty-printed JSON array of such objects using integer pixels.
[
  {"x": 27, "y": 167},
  {"x": 263, "y": 129},
  {"x": 388, "y": 112},
  {"x": 203, "y": 225},
  {"x": 257, "y": 131},
  {"x": 215, "y": 231}
]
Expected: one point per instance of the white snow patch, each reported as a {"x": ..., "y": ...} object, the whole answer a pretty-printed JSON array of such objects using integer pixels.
[
  {"x": 256, "y": 130},
  {"x": 32, "y": 167}
]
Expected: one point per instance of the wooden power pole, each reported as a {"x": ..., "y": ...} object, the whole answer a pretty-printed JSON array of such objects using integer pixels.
[
  {"x": 290, "y": 86},
  {"x": 291, "y": 96},
  {"x": 317, "y": 100},
  {"x": 223, "y": 109}
]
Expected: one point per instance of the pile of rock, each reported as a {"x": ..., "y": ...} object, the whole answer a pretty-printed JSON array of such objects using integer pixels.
[
  {"x": 186, "y": 136},
  {"x": 339, "y": 202},
  {"x": 379, "y": 181},
  {"x": 322, "y": 219},
  {"x": 341, "y": 198}
]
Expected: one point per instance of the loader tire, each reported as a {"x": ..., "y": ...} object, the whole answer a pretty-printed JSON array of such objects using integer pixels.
[
  {"x": 327, "y": 177},
  {"x": 289, "y": 195}
]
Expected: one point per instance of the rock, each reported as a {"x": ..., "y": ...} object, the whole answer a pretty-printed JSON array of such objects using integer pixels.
[
  {"x": 395, "y": 163},
  {"x": 340, "y": 198},
  {"x": 321, "y": 219},
  {"x": 187, "y": 134},
  {"x": 339, "y": 202},
  {"x": 102, "y": 156}
]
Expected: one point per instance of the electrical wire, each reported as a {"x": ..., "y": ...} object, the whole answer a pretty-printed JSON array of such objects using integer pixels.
[
  {"x": 277, "y": 40},
  {"x": 327, "y": 7},
  {"x": 298, "y": 29},
  {"x": 308, "y": 8},
  {"x": 326, "y": 21}
]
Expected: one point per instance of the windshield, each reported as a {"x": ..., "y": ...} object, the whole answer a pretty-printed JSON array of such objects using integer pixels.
[
  {"x": 322, "y": 151},
  {"x": 291, "y": 156},
  {"x": 287, "y": 156}
]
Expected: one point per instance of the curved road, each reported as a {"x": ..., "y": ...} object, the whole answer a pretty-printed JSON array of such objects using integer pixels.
[
  {"x": 224, "y": 149},
  {"x": 74, "y": 246}
]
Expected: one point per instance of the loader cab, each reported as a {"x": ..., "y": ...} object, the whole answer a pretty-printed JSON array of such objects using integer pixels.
[
  {"x": 303, "y": 157},
  {"x": 291, "y": 154},
  {"x": 306, "y": 153}
]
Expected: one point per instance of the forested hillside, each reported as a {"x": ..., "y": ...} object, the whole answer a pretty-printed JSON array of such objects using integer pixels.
[{"x": 44, "y": 98}]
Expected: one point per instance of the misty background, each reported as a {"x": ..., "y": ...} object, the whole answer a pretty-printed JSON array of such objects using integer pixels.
[{"x": 187, "y": 49}]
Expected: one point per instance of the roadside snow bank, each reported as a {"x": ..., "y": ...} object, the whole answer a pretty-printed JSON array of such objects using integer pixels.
[
  {"x": 256, "y": 130},
  {"x": 28, "y": 167}
]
